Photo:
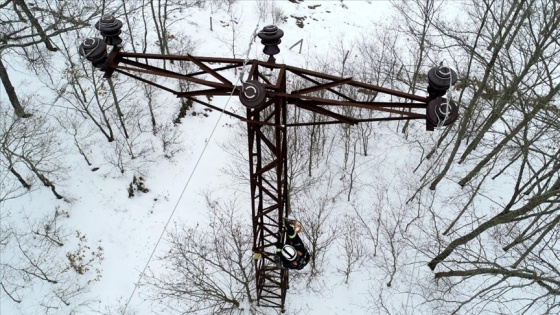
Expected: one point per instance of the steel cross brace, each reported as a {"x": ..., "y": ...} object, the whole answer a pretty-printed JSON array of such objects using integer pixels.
[
  {"x": 268, "y": 179},
  {"x": 267, "y": 126}
]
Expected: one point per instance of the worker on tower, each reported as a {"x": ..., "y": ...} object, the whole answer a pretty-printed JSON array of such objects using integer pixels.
[{"x": 292, "y": 254}]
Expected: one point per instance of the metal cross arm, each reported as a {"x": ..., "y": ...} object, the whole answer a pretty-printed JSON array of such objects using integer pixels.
[
  {"x": 117, "y": 57},
  {"x": 129, "y": 64}
]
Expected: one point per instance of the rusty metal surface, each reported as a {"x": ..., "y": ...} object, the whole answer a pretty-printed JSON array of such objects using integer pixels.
[
  {"x": 122, "y": 54},
  {"x": 268, "y": 164},
  {"x": 324, "y": 86},
  {"x": 267, "y": 125},
  {"x": 368, "y": 86},
  {"x": 145, "y": 68}
]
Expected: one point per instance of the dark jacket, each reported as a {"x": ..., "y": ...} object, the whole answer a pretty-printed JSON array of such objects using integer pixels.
[{"x": 302, "y": 254}]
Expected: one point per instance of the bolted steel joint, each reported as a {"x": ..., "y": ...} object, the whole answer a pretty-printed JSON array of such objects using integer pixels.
[
  {"x": 270, "y": 37},
  {"x": 110, "y": 28},
  {"x": 94, "y": 50}
]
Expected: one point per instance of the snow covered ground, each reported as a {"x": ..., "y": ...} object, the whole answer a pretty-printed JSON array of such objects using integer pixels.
[{"x": 128, "y": 229}]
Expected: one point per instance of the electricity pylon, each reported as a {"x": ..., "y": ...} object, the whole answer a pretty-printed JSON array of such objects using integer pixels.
[{"x": 266, "y": 98}]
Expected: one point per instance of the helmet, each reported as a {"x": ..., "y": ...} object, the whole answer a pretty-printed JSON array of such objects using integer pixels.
[{"x": 289, "y": 252}]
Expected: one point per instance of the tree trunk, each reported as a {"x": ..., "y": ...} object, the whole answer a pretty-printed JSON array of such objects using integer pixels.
[
  {"x": 118, "y": 107},
  {"x": 36, "y": 25},
  {"x": 20, "y": 178},
  {"x": 18, "y": 108}
]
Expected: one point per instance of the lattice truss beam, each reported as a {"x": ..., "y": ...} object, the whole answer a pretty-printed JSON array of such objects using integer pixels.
[
  {"x": 337, "y": 99},
  {"x": 267, "y": 157}
]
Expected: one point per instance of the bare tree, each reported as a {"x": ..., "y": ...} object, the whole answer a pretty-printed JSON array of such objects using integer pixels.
[
  {"x": 208, "y": 268},
  {"x": 416, "y": 25},
  {"x": 30, "y": 150},
  {"x": 12, "y": 95},
  {"x": 37, "y": 261},
  {"x": 29, "y": 30},
  {"x": 269, "y": 12},
  {"x": 493, "y": 249},
  {"x": 351, "y": 245},
  {"x": 315, "y": 211},
  {"x": 234, "y": 23},
  {"x": 164, "y": 14}
]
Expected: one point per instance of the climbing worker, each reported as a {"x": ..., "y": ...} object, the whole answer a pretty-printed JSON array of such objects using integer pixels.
[{"x": 292, "y": 254}]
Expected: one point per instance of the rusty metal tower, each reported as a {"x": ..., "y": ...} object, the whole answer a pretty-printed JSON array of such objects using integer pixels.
[{"x": 266, "y": 99}]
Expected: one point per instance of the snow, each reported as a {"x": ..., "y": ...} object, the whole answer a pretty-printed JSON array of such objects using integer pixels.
[{"x": 128, "y": 229}]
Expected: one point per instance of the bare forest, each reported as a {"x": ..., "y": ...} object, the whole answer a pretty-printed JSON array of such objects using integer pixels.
[{"x": 461, "y": 220}]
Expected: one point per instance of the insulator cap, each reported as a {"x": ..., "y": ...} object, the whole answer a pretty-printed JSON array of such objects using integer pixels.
[
  {"x": 270, "y": 37},
  {"x": 94, "y": 50},
  {"x": 442, "y": 112},
  {"x": 253, "y": 94},
  {"x": 440, "y": 79},
  {"x": 110, "y": 28}
]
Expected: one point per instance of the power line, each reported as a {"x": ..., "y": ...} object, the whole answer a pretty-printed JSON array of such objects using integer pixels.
[
  {"x": 177, "y": 204},
  {"x": 187, "y": 183}
]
